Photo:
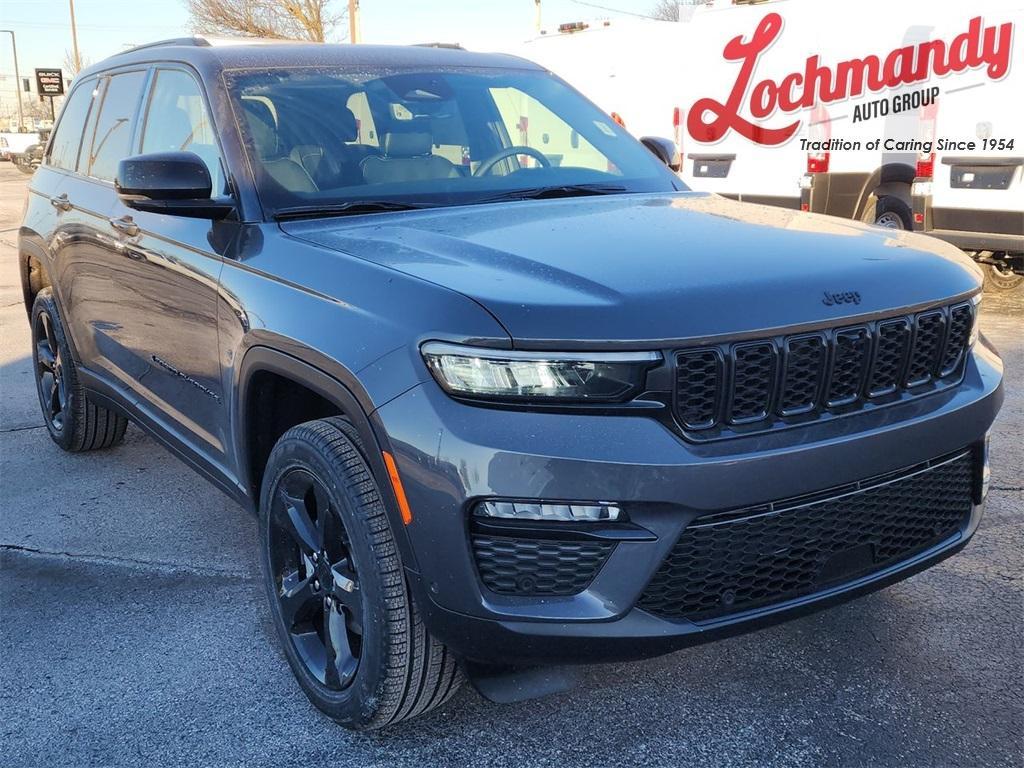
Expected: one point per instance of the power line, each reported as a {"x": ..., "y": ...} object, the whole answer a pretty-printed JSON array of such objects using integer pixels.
[{"x": 615, "y": 10}]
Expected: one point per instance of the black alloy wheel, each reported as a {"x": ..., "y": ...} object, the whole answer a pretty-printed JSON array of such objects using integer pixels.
[
  {"x": 49, "y": 365},
  {"x": 317, "y": 582},
  {"x": 74, "y": 422},
  {"x": 341, "y": 606}
]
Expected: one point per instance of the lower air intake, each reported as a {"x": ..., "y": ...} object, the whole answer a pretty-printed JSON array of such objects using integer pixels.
[
  {"x": 518, "y": 566},
  {"x": 731, "y": 562}
]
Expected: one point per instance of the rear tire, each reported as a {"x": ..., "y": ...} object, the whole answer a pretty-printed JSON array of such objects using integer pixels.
[
  {"x": 889, "y": 213},
  {"x": 74, "y": 422},
  {"x": 347, "y": 622},
  {"x": 1002, "y": 278}
]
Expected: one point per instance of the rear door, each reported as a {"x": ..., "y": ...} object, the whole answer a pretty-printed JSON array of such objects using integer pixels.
[
  {"x": 87, "y": 250},
  {"x": 979, "y": 180},
  {"x": 48, "y": 204}
]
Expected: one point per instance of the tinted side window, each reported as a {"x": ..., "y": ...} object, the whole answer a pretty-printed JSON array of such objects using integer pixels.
[
  {"x": 112, "y": 138},
  {"x": 68, "y": 137},
  {"x": 177, "y": 120}
]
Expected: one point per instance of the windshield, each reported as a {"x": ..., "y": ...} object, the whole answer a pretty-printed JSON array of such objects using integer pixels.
[{"x": 344, "y": 139}]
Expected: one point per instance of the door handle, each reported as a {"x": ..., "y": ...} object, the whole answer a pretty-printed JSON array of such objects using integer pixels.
[
  {"x": 61, "y": 202},
  {"x": 125, "y": 226}
]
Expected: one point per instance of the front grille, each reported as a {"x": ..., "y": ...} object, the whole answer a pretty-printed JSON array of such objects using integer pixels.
[
  {"x": 738, "y": 388},
  {"x": 519, "y": 566},
  {"x": 734, "y": 561}
]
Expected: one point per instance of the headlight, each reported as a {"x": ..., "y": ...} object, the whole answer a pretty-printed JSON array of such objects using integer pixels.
[
  {"x": 975, "y": 323},
  {"x": 511, "y": 375}
]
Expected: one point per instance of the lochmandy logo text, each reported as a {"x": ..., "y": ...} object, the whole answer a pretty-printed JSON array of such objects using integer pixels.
[{"x": 709, "y": 120}]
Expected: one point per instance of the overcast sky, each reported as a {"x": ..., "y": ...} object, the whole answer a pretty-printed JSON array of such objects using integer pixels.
[{"x": 107, "y": 26}]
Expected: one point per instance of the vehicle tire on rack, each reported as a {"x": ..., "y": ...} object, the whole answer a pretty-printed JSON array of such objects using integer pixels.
[
  {"x": 1002, "y": 278},
  {"x": 74, "y": 422},
  {"x": 889, "y": 212},
  {"x": 341, "y": 606}
]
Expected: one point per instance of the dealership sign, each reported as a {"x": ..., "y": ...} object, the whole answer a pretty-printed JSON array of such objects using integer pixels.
[
  {"x": 49, "y": 82},
  {"x": 710, "y": 120}
]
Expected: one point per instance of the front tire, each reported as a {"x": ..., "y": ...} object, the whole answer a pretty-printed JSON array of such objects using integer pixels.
[
  {"x": 348, "y": 625},
  {"x": 74, "y": 422}
]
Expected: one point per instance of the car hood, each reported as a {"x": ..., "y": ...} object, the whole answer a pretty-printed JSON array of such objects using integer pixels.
[{"x": 647, "y": 267}]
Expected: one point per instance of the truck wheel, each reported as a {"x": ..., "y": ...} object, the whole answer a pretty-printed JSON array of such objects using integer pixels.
[
  {"x": 75, "y": 423},
  {"x": 1002, "y": 278},
  {"x": 888, "y": 212},
  {"x": 349, "y": 627}
]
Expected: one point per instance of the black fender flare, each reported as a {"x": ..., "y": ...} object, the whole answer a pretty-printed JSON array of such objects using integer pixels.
[
  {"x": 890, "y": 173},
  {"x": 339, "y": 387},
  {"x": 29, "y": 248}
]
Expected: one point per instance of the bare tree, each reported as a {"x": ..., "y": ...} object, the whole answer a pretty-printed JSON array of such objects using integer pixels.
[
  {"x": 666, "y": 10},
  {"x": 289, "y": 19},
  {"x": 71, "y": 69}
]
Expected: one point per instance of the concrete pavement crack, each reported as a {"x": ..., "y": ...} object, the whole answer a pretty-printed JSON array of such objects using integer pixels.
[
  {"x": 22, "y": 429},
  {"x": 159, "y": 567}
]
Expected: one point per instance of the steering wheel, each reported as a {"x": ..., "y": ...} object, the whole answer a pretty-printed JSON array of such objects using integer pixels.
[{"x": 487, "y": 165}]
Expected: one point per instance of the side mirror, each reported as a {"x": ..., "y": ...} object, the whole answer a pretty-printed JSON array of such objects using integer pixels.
[
  {"x": 172, "y": 183},
  {"x": 663, "y": 149}
]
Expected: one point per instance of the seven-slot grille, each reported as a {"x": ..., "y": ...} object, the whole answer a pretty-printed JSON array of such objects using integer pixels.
[{"x": 751, "y": 384}]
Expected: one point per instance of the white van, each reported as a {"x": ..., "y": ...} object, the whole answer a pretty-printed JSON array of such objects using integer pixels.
[
  {"x": 821, "y": 106},
  {"x": 12, "y": 143},
  {"x": 970, "y": 192},
  {"x": 622, "y": 65}
]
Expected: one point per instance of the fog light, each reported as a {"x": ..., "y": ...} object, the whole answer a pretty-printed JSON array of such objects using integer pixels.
[
  {"x": 986, "y": 468},
  {"x": 592, "y": 512}
]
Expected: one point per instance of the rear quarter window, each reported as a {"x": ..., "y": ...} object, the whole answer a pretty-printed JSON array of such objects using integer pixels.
[{"x": 68, "y": 137}]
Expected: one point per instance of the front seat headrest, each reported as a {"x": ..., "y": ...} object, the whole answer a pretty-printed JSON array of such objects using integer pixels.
[
  {"x": 407, "y": 144},
  {"x": 261, "y": 128}
]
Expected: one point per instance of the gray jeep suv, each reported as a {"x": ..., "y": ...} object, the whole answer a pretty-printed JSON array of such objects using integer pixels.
[{"x": 502, "y": 391}]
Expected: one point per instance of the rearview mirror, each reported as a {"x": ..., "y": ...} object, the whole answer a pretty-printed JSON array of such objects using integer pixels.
[
  {"x": 172, "y": 183},
  {"x": 663, "y": 149}
]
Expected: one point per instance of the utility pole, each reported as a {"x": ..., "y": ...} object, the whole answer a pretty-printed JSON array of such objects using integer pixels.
[
  {"x": 537, "y": 20},
  {"x": 17, "y": 80},
  {"x": 74, "y": 38},
  {"x": 353, "y": 21}
]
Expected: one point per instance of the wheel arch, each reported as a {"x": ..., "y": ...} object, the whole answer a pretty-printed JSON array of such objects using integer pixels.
[
  {"x": 32, "y": 268},
  {"x": 334, "y": 391},
  {"x": 889, "y": 179}
]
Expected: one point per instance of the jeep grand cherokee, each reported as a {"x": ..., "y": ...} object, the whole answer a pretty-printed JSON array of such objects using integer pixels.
[{"x": 501, "y": 390}]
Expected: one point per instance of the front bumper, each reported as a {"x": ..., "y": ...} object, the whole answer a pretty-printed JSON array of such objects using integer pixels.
[{"x": 451, "y": 454}]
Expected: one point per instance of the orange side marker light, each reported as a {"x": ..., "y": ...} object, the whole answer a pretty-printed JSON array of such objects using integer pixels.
[{"x": 396, "y": 485}]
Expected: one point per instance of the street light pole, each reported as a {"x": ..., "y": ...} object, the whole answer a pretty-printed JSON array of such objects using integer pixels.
[
  {"x": 74, "y": 37},
  {"x": 17, "y": 80},
  {"x": 353, "y": 21}
]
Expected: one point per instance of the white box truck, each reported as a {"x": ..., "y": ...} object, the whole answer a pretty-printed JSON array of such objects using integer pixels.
[{"x": 828, "y": 107}]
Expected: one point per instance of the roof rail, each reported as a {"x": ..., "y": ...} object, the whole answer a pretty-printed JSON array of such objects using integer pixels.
[
  {"x": 195, "y": 41},
  {"x": 450, "y": 46}
]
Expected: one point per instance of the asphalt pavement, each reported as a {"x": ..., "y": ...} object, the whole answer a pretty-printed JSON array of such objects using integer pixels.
[{"x": 133, "y": 632}]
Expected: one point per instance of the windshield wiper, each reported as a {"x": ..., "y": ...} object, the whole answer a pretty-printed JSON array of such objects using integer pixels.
[
  {"x": 347, "y": 209},
  {"x": 549, "y": 193}
]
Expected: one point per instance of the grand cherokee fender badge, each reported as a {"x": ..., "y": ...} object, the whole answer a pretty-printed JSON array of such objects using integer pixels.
[
  {"x": 843, "y": 297},
  {"x": 184, "y": 377}
]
